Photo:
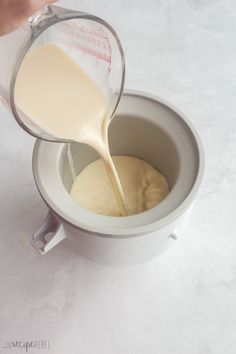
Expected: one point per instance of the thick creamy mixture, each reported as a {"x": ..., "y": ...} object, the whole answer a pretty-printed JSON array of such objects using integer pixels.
[
  {"x": 143, "y": 186},
  {"x": 55, "y": 93}
]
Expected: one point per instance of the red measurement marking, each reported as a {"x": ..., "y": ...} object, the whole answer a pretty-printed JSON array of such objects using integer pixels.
[
  {"x": 85, "y": 34},
  {"x": 110, "y": 53},
  {"x": 88, "y": 50},
  {"x": 75, "y": 26}
]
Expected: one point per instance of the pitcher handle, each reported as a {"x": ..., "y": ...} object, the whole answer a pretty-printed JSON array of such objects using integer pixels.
[{"x": 49, "y": 235}]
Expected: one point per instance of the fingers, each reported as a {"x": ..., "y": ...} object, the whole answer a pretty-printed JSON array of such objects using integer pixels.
[
  {"x": 29, "y": 7},
  {"x": 14, "y": 13}
]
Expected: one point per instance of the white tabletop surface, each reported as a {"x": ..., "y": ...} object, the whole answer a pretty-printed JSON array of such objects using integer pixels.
[{"x": 184, "y": 301}]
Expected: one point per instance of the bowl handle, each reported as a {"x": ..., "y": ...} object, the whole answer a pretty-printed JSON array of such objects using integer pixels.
[{"x": 49, "y": 235}]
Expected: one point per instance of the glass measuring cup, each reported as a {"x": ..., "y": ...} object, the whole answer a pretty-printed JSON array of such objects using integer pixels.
[{"x": 88, "y": 40}]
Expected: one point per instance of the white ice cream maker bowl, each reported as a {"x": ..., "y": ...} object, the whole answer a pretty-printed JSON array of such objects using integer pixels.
[{"x": 145, "y": 127}]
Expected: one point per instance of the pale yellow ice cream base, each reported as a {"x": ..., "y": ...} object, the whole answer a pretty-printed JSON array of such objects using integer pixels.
[{"x": 143, "y": 186}]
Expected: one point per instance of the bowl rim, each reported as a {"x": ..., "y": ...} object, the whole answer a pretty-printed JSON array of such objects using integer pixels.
[{"x": 140, "y": 230}]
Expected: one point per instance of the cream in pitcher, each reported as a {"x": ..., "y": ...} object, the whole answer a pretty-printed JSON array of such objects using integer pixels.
[{"x": 57, "y": 94}]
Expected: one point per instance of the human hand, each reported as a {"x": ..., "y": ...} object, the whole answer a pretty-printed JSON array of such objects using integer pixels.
[{"x": 13, "y": 13}]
